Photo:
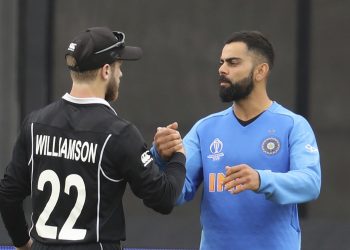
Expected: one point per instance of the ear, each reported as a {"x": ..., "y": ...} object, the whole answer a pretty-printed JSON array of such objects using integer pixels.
[
  {"x": 105, "y": 71},
  {"x": 261, "y": 71}
]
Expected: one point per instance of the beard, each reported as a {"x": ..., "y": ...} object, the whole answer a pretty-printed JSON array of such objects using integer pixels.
[
  {"x": 237, "y": 90},
  {"x": 112, "y": 90}
]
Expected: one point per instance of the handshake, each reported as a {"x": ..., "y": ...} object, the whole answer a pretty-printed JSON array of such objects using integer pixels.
[{"x": 167, "y": 141}]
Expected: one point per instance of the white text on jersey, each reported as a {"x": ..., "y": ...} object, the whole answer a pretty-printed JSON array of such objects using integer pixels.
[{"x": 67, "y": 148}]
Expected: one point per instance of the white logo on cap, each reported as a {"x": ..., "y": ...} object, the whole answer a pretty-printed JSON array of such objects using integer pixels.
[{"x": 72, "y": 46}]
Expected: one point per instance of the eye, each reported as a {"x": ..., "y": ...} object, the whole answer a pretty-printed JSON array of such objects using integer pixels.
[{"x": 232, "y": 62}]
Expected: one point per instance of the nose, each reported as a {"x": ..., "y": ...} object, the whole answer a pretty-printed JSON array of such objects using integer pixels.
[{"x": 223, "y": 69}]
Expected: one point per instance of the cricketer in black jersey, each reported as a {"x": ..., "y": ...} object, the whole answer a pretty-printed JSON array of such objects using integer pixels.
[{"x": 74, "y": 158}]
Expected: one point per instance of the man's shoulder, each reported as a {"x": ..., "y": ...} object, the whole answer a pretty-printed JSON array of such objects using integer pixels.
[
  {"x": 36, "y": 114},
  {"x": 280, "y": 110},
  {"x": 215, "y": 116},
  {"x": 211, "y": 120},
  {"x": 94, "y": 117}
]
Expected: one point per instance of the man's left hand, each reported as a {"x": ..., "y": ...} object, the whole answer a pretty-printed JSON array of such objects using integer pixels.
[{"x": 241, "y": 177}]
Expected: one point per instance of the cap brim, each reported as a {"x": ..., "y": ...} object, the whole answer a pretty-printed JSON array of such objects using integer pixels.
[{"x": 130, "y": 53}]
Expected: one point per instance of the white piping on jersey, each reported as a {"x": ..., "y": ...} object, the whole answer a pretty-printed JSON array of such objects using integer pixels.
[
  {"x": 109, "y": 177},
  {"x": 31, "y": 228},
  {"x": 31, "y": 159},
  {"x": 31, "y": 156},
  {"x": 31, "y": 177},
  {"x": 87, "y": 100},
  {"x": 99, "y": 189},
  {"x": 100, "y": 166}
]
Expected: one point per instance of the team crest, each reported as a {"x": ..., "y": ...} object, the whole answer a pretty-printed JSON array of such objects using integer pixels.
[
  {"x": 216, "y": 149},
  {"x": 270, "y": 146}
]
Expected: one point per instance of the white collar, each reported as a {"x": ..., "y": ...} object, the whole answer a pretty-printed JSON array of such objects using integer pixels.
[{"x": 87, "y": 100}]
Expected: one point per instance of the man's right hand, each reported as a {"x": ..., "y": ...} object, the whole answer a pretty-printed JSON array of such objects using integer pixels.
[{"x": 167, "y": 141}]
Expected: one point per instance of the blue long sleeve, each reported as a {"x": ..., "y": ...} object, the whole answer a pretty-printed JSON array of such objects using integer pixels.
[{"x": 194, "y": 169}]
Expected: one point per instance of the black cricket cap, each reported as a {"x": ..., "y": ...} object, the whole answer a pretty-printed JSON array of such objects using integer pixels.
[{"x": 98, "y": 46}]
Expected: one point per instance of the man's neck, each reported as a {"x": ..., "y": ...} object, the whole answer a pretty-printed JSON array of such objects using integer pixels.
[
  {"x": 82, "y": 90},
  {"x": 251, "y": 107}
]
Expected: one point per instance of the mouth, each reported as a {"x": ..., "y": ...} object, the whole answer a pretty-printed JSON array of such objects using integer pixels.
[{"x": 225, "y": 84}]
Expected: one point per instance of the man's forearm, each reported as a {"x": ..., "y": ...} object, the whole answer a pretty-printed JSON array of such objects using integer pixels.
[{"x": 13, "y": 217}]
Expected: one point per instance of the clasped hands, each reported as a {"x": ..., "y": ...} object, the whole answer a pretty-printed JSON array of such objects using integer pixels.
[{"x": 167, "y": 141}]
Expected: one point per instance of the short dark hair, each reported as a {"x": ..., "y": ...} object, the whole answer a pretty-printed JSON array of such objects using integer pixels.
[
  {"x": 256, "y": 42},
  {"x": 87, "y": 75},
  {"x": 84, "y": 76}
]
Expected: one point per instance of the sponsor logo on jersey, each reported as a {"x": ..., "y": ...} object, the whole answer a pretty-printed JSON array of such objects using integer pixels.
[
  {"x": 216, "y": 149},
  {"x": 270, "y": 146},
  {"x": 146, "y": 158},
  {"x": 310, "y": 148}
]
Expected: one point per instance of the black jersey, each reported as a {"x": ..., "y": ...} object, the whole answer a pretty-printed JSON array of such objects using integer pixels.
[{"x": 75, "y": 157}]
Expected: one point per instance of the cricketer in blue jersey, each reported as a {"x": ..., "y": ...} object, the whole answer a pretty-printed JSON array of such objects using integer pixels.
[{"x": 256, "y": 160}]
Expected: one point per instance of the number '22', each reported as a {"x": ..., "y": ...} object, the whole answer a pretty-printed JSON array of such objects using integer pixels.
[{"x": 67, "y": 231}]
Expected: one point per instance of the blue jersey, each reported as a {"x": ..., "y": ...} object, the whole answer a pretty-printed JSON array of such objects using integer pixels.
[{"x": 281, "y": 146}]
